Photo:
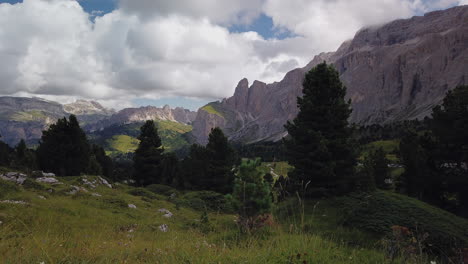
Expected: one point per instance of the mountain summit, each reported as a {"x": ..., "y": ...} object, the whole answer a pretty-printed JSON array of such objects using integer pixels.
[{"x": 393, "y": 72}]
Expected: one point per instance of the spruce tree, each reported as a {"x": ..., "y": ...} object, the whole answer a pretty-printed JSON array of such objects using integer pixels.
[
  {"x": 24, "y": 158},
  {"x": 5, "y": 153},
  {"x": 64, "y": 148},
  {"x": 376, "y": 166},
  {"x": 320, "y": 145},
  {"x": 221, "y": 161},
  {"x": 148, "y": 155}
]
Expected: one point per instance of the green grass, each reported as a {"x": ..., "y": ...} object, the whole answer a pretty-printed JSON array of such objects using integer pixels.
[
  {"x": 389, "y": 146},
  {"x": 173, "y": 126},
  {"x": 210, "y": 108},
  {"x": 83, "y": 228},
  {"x": 122, "y": 144}
]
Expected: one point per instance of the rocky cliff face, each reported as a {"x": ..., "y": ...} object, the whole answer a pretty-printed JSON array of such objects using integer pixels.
[
  {"x": 83, "y": 107},
  {"x": 394, "y": 72}
]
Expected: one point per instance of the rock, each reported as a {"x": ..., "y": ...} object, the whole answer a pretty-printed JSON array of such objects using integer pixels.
[
  {"x": 13, "y": 202},
  {"x": 96, "y": 195},
  {"x": 49, "y": 180},
  {"x": 104, "y": 182},
  {"x": 132, "y": 206},
  {"x": 1, "y": 223},
  {"x": 164, "y": 228},
  {"x": 42, "y": 197},
  {"x": 166, "y": 212},
  {"x": 397, "y": 71},
  {"x": 76, "y": 189},
  {"x": 95, "y": 182},
  {"x": 15, "y": 177},
  {"x": 40, "y": 174}
]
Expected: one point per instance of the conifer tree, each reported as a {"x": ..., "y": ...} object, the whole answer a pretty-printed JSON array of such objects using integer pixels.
[
  {"x": 148, "y": 155},
  {"x": 64, "y": 148},
  {"x": 376, "y": 166},
  {"x": 5, "y": 153},
  {"x": 24, "y": 158},
  {"x": 251, "y": 195},
  {"x": 320, "y": 145},
  {"x": 221, "y": 161}
]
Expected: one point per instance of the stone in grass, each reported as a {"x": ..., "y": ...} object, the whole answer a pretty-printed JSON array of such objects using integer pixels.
[
  {"x": 49, "y": 180},
  {"x": 96, "y": 195},
  {"x": 42, "y": 197},
  {"x": 132, "y": 206},
  {"x": 15, "y": 177},
  {"x": 164, "y": 228},
  {"x": 13, "y": 202},
  {"x": 166, "y": 212}
]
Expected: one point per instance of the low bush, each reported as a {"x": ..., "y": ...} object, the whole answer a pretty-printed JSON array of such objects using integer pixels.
[
  {"x": 161, "y": 189},
  {"x": 379, "y": 211},
  {"x": 142, "y": 192}
]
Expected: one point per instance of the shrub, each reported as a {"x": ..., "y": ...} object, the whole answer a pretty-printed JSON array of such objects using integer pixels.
[
  {"x": 209, "y": 200},
  {"x": 143, "y": 193},
  {"x": 379, "y": 211},
  {"x": 32, "y": 184},
  {"x": 161, "y": 189}
]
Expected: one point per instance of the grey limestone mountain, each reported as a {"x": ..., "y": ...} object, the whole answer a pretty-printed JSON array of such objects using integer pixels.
[
  {"x": 396, "y": 71},
  {"x": 26, "y": 118}
]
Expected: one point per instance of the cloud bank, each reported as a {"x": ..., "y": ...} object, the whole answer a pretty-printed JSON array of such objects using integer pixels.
[{"x": 158, "y": 48}]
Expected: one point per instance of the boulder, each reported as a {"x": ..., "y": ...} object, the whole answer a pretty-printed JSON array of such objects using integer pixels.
[
  {"x": 15, "y": 177},
  {"x": 132, "y": 206},
  {"x": 49, "y": 180}
]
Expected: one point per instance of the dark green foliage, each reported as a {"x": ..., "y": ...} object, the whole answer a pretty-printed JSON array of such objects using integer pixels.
[
  {"x": 5, "y": 153},
  {"x": 161, "y": 189},
  {"x": 24, "y": 158},
  {"x": 376, "y": 167},
  {"x": 319, "y": 146},
  {"x": 143, "y": 193},
  {"x": 148, "y": 156},
  {"x": 195, "y": 167},
  {"x": 170, "y": 170},
  {"x": 266, "y": 151},
  {"x": 105, "y": 162},
  {"x": 211, "y": 167},
  {"x": 207, "y": 200},
  {"x": 450, "y": 128},
  {"x": 251, "y": 196},
  {"x": 222, "y": 159},
  {"x": 33, "y": 185},
  {"x": 64, "y": 149},
  {"x": 379, "y": 211},
  {"x": 421, "y": 178}
]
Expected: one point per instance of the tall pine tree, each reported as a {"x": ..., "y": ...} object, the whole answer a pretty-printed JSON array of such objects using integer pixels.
[
  {"x": 320, "y": 145},
  {"x": 222, "y": 159},
  {"x": 148, "y": 155},
  {"x": 64, "y": 149}
]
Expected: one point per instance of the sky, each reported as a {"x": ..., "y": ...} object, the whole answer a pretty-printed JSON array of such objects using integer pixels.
[{"x": 126, "y": 53}]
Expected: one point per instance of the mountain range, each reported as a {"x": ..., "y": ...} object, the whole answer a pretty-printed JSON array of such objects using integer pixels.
[
  {"x": 26, "y": 118},
  {"x": 397, "y": 71},
  {"x": 393, "y": 72}
]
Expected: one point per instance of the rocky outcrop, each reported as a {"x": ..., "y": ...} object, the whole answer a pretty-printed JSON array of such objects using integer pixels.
[
  {"x": 397, "y": 71},
  {"x": 84, "y": 107}
]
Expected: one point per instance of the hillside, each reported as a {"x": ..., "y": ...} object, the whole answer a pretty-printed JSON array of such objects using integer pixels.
[
  {"x": 83, "y": 219},
  {"x": 397, "y": 71},
  {"x": 119, "y": 139}
]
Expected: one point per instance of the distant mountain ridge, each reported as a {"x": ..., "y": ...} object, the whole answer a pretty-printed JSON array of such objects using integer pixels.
[
  {"x": 394, "y": 72},
  {"x": 26, "y": 118}
]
